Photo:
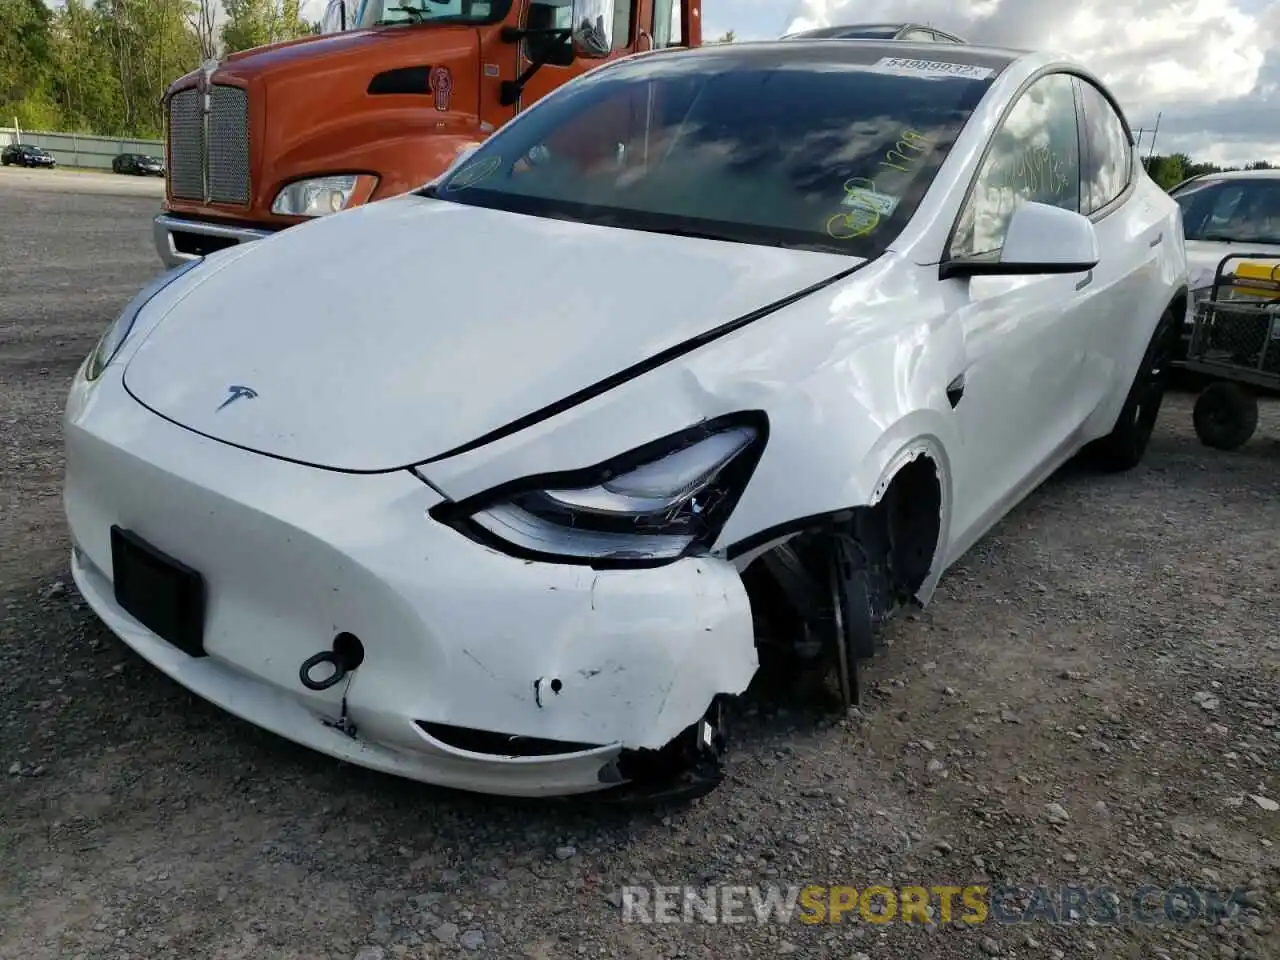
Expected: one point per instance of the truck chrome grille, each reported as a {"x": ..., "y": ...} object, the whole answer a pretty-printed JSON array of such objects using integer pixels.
[
  {"x": 186, "y": 146},
  {"x": 223, "y": 155},
  {"x": 229, "y": 145}
]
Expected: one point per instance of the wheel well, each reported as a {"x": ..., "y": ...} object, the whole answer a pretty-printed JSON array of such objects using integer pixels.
[
  {"x": 912, "y": 507},
  {"x": 789, "y": 585},
  {"x": 1179, "y": 304}
]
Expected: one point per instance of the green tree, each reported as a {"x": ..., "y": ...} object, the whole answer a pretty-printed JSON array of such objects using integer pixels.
[
  {"x": 27, "y": 64},
  {"x": 1168, "y": 171},
  {"x": 256, "y": 23},
  {"x": 727, "y": 38}
]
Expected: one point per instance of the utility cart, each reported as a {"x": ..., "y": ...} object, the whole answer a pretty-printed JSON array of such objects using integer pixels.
[{"x": 1235, "y": 341}]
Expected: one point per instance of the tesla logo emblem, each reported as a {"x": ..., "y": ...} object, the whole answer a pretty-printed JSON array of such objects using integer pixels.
[
  {"x": 442, "y": 87},
  {"x": 238, "y": 393}
]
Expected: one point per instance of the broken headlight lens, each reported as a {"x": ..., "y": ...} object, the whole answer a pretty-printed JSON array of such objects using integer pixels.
[{"x": 651, "y": 506}]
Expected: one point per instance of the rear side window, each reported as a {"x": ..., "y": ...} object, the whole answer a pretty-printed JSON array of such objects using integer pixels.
[{"x": 1107, "y": 161}]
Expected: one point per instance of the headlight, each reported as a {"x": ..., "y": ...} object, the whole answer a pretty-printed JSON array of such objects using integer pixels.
[
  {"x": 651, "y": 506},
  {"x": 113, "y": 339},
  {"x": 320, "y": 196}
]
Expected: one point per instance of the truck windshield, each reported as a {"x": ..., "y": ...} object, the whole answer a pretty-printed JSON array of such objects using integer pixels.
[
  {"x": 1244, "y": 210},
  {"x": 782, "y": 144},
  {"x": 374, "y": 13}
]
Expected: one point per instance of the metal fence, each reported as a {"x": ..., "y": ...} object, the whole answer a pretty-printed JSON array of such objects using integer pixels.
[{"x": 80, "y": 150}]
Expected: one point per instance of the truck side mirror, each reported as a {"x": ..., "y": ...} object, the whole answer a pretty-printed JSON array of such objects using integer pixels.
[
  {"x": 593, "y": 28},
  {"x": 335, "y": 17}
]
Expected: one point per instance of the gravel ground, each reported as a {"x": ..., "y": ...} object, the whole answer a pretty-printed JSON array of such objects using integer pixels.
[{"x": 1093, "y": 699}]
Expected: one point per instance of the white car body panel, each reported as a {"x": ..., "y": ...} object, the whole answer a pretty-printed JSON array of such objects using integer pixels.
[
  {"x": 453, "y": 344},
  {"x": 286, "y": 570},
  {"x": 393, "y": 358}
]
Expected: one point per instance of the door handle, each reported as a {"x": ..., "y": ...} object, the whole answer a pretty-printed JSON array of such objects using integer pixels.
[
  {"x": 1156, "y": 241},
  {"x": 1088, "y": 279},
  {"x": 955, "y": 390}
]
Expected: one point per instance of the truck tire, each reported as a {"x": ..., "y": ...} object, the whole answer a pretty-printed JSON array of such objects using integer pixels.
[{"x": 1225, "y": 416}]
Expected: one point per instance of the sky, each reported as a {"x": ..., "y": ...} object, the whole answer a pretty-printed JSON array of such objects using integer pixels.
[{"x": 1209, "y": 68}]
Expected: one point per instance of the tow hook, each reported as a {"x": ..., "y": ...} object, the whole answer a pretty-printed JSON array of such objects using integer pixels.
[{"x": 345, "y": 656}]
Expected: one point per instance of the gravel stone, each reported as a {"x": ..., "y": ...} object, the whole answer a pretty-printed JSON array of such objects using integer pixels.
[{"x": 162, "y": 827}]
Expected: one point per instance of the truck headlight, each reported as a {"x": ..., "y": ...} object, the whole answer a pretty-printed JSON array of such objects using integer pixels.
[
  {"x": 319, "y": 196},
  {"x": 113, "y": 339},
  {"x": 648, "y": 507}
]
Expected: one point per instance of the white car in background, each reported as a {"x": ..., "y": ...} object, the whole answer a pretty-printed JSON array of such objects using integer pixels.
[
  {"x": 711, "y": 355},
  {"x": 1226, "y": 214}
]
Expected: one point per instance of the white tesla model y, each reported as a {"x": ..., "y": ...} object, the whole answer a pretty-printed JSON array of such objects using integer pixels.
[{"x": 509, "y": 483}]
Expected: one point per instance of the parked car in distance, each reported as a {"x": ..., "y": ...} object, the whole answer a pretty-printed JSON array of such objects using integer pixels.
[
  {"x": 139, "y": 164},
  {"x": 915, "y": 32},
  {"x": 26, "y": 155},
  {"x": 534, "y": 541},
  {"x": 1227, "y": 213}
]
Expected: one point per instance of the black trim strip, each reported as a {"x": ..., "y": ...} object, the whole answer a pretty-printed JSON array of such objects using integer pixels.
[{"x": 545, "y": 413}]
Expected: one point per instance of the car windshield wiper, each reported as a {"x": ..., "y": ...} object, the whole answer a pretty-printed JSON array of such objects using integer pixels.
[{"x": 417, "y": 13}]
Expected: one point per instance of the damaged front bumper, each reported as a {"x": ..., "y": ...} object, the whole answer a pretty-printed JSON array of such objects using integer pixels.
[{"x": 479, "y": 671}]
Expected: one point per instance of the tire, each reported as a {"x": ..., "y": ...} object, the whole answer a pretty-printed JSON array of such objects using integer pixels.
[
  {"x": 1125, "y": 446},
  {"x": 1225, "y": 416}
]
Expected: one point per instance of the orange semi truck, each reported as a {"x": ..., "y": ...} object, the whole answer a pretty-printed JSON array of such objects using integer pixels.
[{"x": 383, "y": 102}]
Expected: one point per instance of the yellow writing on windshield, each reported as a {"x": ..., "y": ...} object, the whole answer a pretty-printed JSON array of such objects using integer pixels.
[
  {"x": 911, "y": 146},
  {"x": 868, "y": 204},
  {"x": 856, "y": 223}
]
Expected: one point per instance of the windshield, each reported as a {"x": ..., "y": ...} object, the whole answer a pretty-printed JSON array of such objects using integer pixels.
[
  {"x": 373, "y": 13},
  {"x": 824, "y": 149},
  {"x": 1245, "y": 210}
]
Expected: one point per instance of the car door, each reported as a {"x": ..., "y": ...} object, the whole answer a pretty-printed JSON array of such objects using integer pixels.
[
  {"x": 1131, "y": 234},
  {"x": 1017, "y": 404}
]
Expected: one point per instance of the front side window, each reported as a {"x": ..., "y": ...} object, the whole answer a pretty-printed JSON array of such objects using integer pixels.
[
  {"x": 1245, "y": 210},
  {"x": 1035, "y": 155},
  {"x": 832, "y": 151},
  {"x": 1107, "y": 167},
  {"x": 375, "y": 13}
]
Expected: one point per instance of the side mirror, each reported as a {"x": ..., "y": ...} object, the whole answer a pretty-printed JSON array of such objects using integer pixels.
[
  {"x": 335, "y": 17},
  {"x": 1041, "y": 238},
  {"x": 593, "y": 28}
]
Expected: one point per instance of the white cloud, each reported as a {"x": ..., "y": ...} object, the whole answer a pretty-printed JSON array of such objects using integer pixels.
[{"x": 1210, "y": 68}]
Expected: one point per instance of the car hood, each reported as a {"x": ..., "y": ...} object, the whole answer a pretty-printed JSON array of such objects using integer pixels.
[
  {"x": 1203, "y": 257},
  {"x": 403, "y": 329}
]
